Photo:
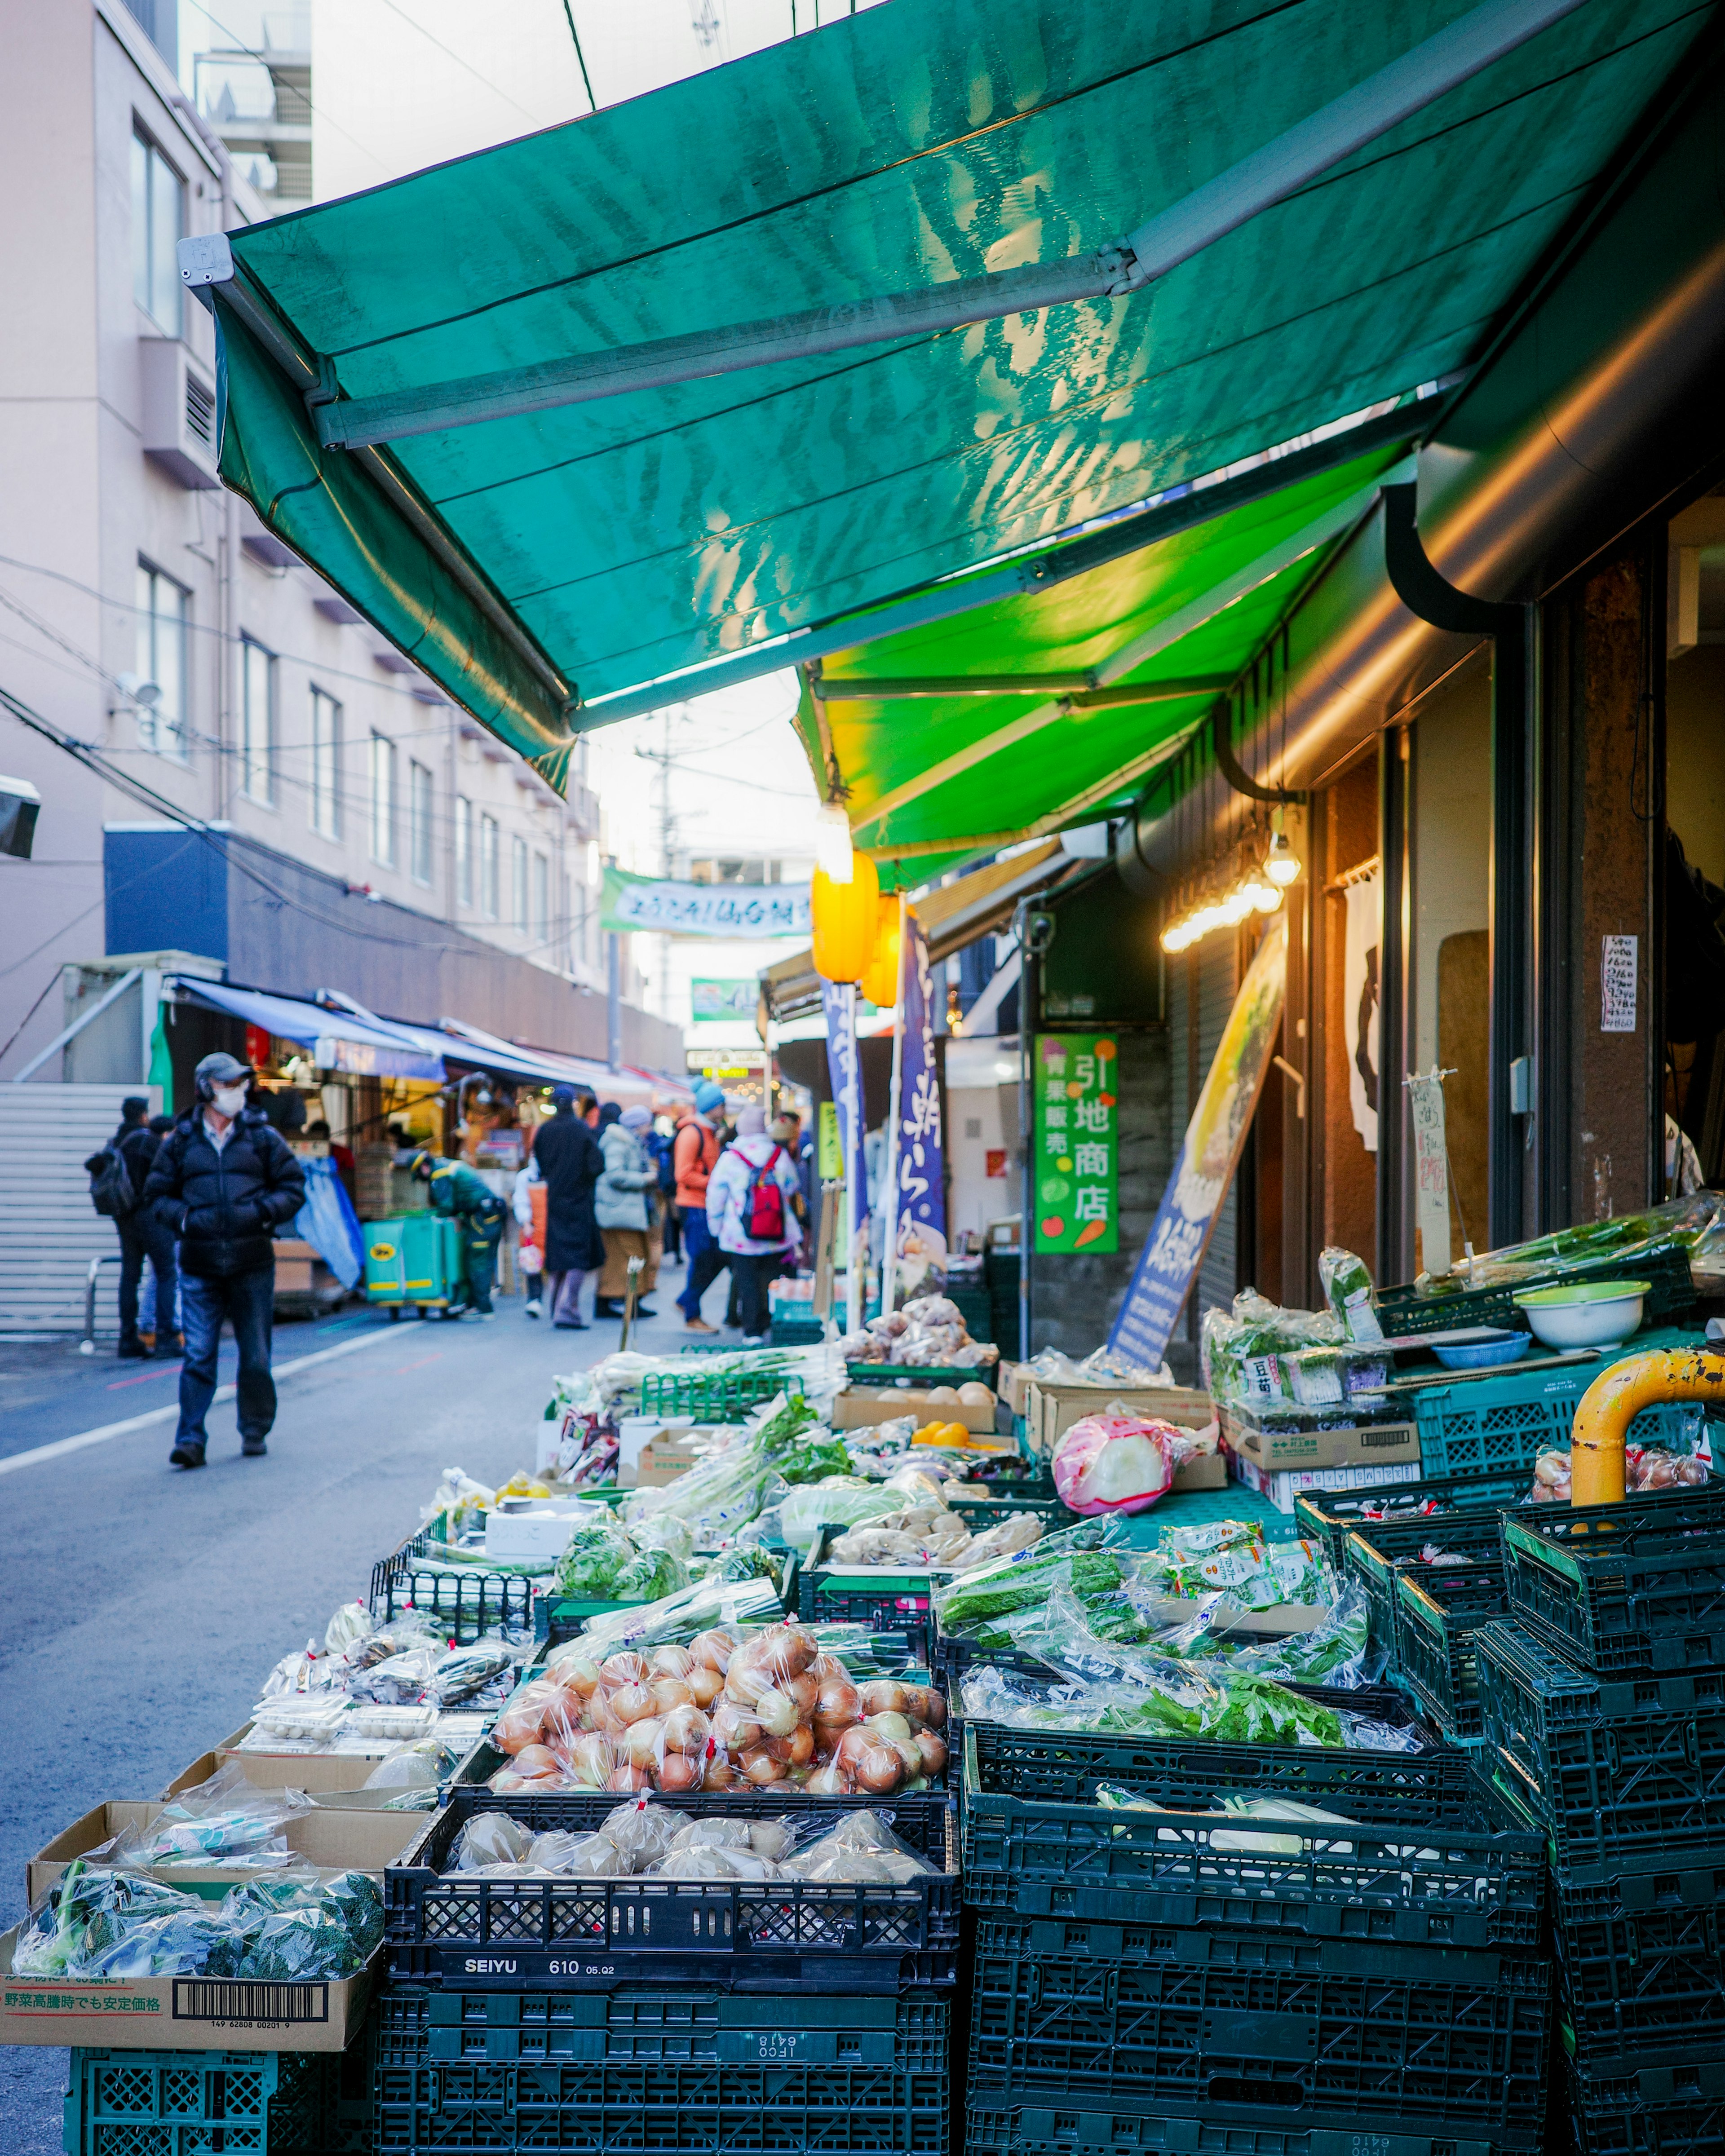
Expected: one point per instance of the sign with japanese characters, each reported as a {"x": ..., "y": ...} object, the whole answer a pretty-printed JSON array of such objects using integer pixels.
[
  {"x": 655, "y": 905},
  {"x": 1077, "y": 1076},
  {"x": 1168, "y": 1263},
  {"x": 723, "y": 999},
  {"x": 922, "y": 1151}
]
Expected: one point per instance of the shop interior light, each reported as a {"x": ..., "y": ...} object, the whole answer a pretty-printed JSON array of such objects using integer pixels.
[
  {"x": 833, "y": 856},
  {"x": 1250, "y": 895},
  {"x": 1281, "y": 864}
]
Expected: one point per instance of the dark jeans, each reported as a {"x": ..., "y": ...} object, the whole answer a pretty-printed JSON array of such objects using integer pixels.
[
  {"x": 706, "y": 1260},
  {"x": 481, "y": 1235},
  {"x": 140, "y": 1238},
  {"x": 671, "y": 1218},
  {"x": 248, "y": 1301},
  {"x": 752, "y": 1271}
]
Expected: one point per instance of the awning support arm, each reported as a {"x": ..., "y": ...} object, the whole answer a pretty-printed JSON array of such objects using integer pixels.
[
  {"x": 1257, "y": 182},
  {"x": 1230, "y": 766}
]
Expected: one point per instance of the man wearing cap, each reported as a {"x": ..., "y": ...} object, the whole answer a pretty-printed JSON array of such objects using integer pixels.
[
  {"x": 695, "y": 1154},
  {"x": 456, "y": 1191},
  {"x": 223, "y": 1182}
]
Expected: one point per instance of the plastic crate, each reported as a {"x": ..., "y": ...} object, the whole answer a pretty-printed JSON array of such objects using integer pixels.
[
  {"x": 892, "y": 1374},
  {"x": 1622, "y": 1773},
  {"x": 711, "y": 1395},
  {"x": 1674, "y": 2108},
  {"x": 1639, "y": 1959},
  {"x": 660, "y": 2108},
  {"x": 1492, "y": 1425},
  {"x": 1330, "y": 1517},
  {"x": 1331, "y": 2031},
  {"x": 1374, "y": 1550},
  {"x": 467, "y": 1602},
  {"x": 996, "y": 2125},
  {"x": 626, "y": 2027},
  {"x": 472, "y": 1933},
  {"x": 1438, "y": 1610},
  {"x": 1670, "y": 1293},
  {"x": 1436, "y": 1861},
  {"x": 796, "y": 1332},
  {"x": 186, "y": 2103},
  {"x": 887, "y": 1600},
  {"x": 1619, "y": 1588}
]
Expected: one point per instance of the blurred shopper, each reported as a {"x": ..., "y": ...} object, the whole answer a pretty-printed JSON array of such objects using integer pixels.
[
  {"x": 224, "y": 1182},
  {"x": 460, "y": 1193},
  {"x": 750, "y": 1213},
  {"x": 156, "y": 1331},
  {"x": 127, "y": 1159},
  {"x": 526, "y": 1201},
  {"x": 695, "y": 1154},
  {"x": 621, "y": 1202},
  {"x": 571, "y": 1163},
  {"x": 660, "y": 1143}
]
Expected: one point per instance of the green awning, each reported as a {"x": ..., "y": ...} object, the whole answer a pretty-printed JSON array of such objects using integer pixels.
[{"x": 537, "y": 564}]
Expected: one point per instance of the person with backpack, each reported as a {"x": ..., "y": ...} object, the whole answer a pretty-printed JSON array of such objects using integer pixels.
[
  {"x": 117, "y": 1177},
  {"x": 750, "y": 1213},
  {"x": 695, "y": 1153},
  {"x": 225, "y": 1181}
]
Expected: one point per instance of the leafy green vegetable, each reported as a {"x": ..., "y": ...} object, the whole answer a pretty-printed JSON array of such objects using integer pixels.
[{"x": 603, "y": 1563}]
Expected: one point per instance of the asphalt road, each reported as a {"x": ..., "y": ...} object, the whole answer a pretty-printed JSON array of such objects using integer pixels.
[{"x": 143, "y": 1605}]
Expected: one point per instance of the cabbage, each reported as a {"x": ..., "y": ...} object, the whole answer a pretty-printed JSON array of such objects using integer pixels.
[{"x": 1116, "y": 1463}]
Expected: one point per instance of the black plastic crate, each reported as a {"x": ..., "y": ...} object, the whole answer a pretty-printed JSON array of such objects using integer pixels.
[
  {"x": 661, "y": 2108},
  {"x": 540, "y": 1934},
  {"x": 1330, "y": 1517},
  {"x": 1639, "y": 1959},
  {"x": 636, "y": 2023},
  {"x": 467, "y": 1603},
  {"x": 980, "y": 1513},
  {"x": 898, "y": 1603},
  {"x": 1373, "y": 1551},
  {"x": 185, "y": 2103},
  {"x": 1635, "y": 1586},
  {"x": 1620, "y": 1773},
  {"x": 995, "y": 2126},
  {"x": 1438, "y": 1860},
  {"x": 1438, "y": 1610},
  {"x": 1671, "y": 1292},
  {"x": 1325, "y": 2028},
  {"x": 1657, "y": 2109}
]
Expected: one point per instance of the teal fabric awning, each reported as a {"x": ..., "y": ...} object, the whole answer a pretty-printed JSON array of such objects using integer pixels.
[{"x": 561, "y": 566}]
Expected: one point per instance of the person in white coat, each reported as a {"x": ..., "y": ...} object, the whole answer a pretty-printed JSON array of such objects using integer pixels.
[{"x": 751, "y": 1211}]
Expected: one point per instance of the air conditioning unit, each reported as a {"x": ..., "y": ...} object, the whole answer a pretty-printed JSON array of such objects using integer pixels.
[{"x": 179, "y": 413}]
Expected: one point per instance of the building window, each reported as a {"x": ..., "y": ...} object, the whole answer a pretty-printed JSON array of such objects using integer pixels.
[
  {"x": 463, "y": 849},
  {"x": 518, "y": 883},
  {"x": 541, "y": 900},
  {"x": 256, "y": 722},
  {"x": 488, "y": 866},
  {"x": 383, "y": 800},
  {"x": 419, "y": 822},
  {"x": 158, "y": 224},
  {"x": 163, "y": 611},
  {"x": 326, "y": 765}
]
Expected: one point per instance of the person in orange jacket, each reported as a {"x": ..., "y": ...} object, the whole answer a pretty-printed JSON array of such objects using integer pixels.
[{"x": 695, "y": 1154}]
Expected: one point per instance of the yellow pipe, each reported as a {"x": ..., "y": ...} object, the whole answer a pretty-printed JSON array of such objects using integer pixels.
[{"x": 1614, "y": 1400}]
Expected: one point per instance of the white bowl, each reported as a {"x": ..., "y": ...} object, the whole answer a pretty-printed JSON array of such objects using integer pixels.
[{"x": 1591, "y": 1314}]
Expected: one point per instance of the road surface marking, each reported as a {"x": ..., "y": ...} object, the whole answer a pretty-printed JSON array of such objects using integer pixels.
[{"x": 171, "y": 1413}]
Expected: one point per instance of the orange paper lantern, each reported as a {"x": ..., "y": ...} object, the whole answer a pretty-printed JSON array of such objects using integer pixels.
[
  {"x": 880, "y": 983},
  {"x": 845, "y": 915}
]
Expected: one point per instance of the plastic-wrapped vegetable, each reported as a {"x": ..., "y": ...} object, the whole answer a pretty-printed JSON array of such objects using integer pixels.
[
  {"x": 1347, "y": 1290},
  {"x": 1232, "y": 1557},
  {"x": 422, "y": 1764},
  {"x": 224, "y": 1821},
  {"x": 1244, "y": 1350},
  {"x": 1108, "y": 1463},
  {"x": 604, "y": 1563},
  {"x": 1022, "y": 1579},
  {"x": 1645, "y": 1467}
]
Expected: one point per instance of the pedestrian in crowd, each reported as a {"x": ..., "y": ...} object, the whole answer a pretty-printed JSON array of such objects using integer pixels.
[
  {"x": 622, "y": 1203},
  {"x": 660, "y": 1143},
  {"x": 527, "y": 1200},
  {"x": 342, "y": 1156},
  {"x": 694, "y": 1155},
  {"x": 223, "y": 1181},
  {"x": 751, "y": 1214},
  {"x": 786, "y": 1129},
  {"x": 141, "y": 1236},
  {"x": 166, "y": 1336},
  {"x": 571, "y": 1163},
  {"x": 460, "y": 1193}
]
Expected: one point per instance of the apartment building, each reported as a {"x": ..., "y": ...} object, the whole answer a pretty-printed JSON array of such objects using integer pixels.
[{"x": 255, "y": 776}]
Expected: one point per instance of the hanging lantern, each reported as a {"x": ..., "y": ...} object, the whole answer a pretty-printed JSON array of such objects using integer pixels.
[
  {"x": 845, "y": 915},
  {"x": 880, "y": 983}
]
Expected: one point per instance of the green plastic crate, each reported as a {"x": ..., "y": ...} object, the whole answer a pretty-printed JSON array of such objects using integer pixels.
[
  {"x": 187, "y": 2103},
  {"x": 1670, "y": 1294},
  {"x": 1437, "y": 1611},
  {"x": 1330, "y": 1517},
  {"x": 712, "y": 1396}
]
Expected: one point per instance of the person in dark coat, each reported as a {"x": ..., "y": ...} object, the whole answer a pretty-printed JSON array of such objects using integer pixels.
[
  {"x": 141, "y": 1236},
  {"x": 224, "y": 1182},
  {"x": 570, "y": 1161}
]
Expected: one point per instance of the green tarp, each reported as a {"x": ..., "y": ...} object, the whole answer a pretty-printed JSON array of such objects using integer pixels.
[{"x": 921, "y": 141}]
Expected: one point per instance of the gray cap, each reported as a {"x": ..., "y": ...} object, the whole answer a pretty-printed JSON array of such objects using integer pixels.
[{"x": 221, "y": 1069}]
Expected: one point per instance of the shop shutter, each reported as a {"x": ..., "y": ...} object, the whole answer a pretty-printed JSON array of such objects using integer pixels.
[{"x": 49, "y": 1231}]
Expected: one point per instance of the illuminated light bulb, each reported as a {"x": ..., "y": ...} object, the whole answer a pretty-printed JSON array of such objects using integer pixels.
[
  {"x": 833, "y": 856},
  {"x": 1281, "y": 864}
]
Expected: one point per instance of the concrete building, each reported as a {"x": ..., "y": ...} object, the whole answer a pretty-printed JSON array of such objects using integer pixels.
[{"x": 253, "y": 776}]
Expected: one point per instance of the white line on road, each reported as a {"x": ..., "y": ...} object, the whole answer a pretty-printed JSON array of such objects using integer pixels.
[{"x": 171, "y": 1413}]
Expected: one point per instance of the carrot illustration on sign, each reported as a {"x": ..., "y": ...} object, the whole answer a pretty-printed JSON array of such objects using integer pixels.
[{"x": 1090, "y": 1232}]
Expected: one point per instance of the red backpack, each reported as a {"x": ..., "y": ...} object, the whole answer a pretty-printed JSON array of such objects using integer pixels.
[{"x": 764, "y": 1202}]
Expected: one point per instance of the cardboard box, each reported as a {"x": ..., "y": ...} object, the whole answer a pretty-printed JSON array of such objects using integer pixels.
[
  {"x": 1367, "y": 1444},
  {"x": 1052, "y": 1409},
  {"x": 322, "y": 1775},
  {"x": 1281, "y": 1487},
  {"x": 330, "y": 1841},
  {"x": 183, "y": 2013},
  {"x": 1209, "y": 1472},
  {"x": 863, "y": 1406},
  {"x": 1012, "y": 1381}
]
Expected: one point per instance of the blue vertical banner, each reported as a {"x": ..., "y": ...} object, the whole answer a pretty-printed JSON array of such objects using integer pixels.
[
  {"x": 844, "y": 1067},
  {"x": 1168, "y": 1264},
  {"x": 921, "y": 1150}
]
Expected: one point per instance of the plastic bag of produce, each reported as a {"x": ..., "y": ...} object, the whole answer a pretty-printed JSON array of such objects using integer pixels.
[
  {"x": 1232, "y": 1557},
  {"x": 861, "y": 1850},
  {"x": 839, "y": 1500},
  {"x": 1244, "y": 1350},
  {"x": 1347, "y": 1289},
  {"x": 422, "y": 1764},
  {"x": 1116, "y": 1463},
  {"x": 225, "y": 1820}
]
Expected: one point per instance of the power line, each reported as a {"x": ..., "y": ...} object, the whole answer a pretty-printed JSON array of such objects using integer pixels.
[{"x": 580, "y": 56}]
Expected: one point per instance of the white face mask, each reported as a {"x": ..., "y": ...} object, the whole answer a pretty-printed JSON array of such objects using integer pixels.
[{"x": 228, "y": 1099}]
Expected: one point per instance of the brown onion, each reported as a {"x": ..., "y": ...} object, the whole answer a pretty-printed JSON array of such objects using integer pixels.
[
  {"x": 837, "y": 1701},
  {"x": 579, "y": 1672},
  {"x": 852, "y": 1745},
  {"x": 629, "y": 1777},
  {"x": 883, "y": 1697},
  {"x": 686, "y": 1729},
  {"x": 591, "y": 1762},
  {"x": 829, "y": 1781},
  {"x": 535, "y": 1759},
  {"x": 669, "y": 1692},
  {"x": 878, "y": 1768},
  {"x": 632, "y": 1702},
  {"x": 641, "y": 1741},
  {"x": 761, "y": 1767},
  {"x": 672, "y": 1661},
  {"x": 934, "y": 1706},
  {"x": 805, "y": 1689},
  {"x": 705, "y": 1685},
  {"x": 625, "y": 1668},
  {"x": 796, "y": 1750},
  {"x": 675, "y": 1772},
  {"x": 776, "y": 1711},
  {"x": 505, "y": 1779},
  {"x": 713, "y": 1650},
  {"x": 798, "y": 1649},
  {"x": 909, "y": 1750},
  {"x": 933, "y": 1749},
  {"x": 718, "y": 1774},
  {"x": 734, "y": 1730}
]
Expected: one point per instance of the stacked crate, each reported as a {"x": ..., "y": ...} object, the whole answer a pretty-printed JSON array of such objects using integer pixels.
[
  {"x": 1174, "y": 1980},
  {"x": 620, "y": 2015},
  {"x": 1602, "y": 1697}
]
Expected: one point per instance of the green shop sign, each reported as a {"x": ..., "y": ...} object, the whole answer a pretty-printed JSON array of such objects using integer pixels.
[{"x": 1077, "y": 1135}]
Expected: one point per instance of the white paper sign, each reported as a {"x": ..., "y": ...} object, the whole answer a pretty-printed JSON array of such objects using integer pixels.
[
  {"x": 1359, "y": 1004},
  {"x": 1431, "y": 1169},
  {"x": 1617, "y": 984}
]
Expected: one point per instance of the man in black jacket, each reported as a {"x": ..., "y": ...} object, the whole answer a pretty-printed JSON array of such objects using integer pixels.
[
  {"x": 571, "y": 1163},
  {"x": 223, "y": 1181},
  {"x": 141, "y": 1236}
]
